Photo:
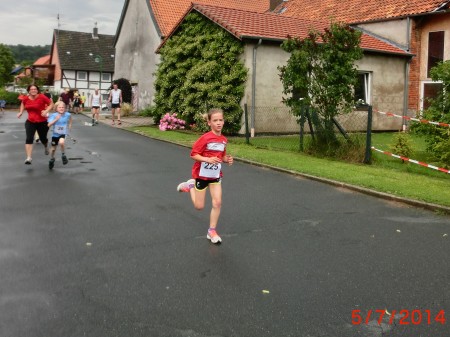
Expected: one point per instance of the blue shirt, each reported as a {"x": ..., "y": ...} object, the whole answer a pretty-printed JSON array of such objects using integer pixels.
[{"x": 61, "y": 127}]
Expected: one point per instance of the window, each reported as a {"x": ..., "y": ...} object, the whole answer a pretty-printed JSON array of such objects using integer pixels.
[
  {"x": 430, "y": 91},
  {"x": 435, "y": 49},
  {"x": 362, "y": 88},
  {"x": 106, "y": 77},
  {"x": 81, "y": 75}
]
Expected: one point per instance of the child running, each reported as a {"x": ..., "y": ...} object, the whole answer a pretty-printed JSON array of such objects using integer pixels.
[
  {"x": 209, "y": 152},
  {"x": 62, "y": 124}
]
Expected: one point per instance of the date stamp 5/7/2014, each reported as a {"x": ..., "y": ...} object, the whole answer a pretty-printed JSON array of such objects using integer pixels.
[{"x": 402, "y": 317}]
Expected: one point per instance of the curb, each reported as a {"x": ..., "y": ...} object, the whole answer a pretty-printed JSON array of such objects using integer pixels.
[{"x": 382, "y": 195}]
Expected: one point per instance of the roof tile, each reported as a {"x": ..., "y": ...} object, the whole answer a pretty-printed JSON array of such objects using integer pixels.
[
  {"x": 168, "y": 13},
  {"x": 245, "y": 24},
  {"x": 355, "y": 11},
  {"x": 42, "y": 60}
]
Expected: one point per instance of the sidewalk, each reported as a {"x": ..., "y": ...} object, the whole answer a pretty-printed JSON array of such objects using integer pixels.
[{"x": 129, "y": 121}]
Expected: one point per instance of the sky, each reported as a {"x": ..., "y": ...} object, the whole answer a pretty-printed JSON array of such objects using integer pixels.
[{"x": 31, "y": 22}]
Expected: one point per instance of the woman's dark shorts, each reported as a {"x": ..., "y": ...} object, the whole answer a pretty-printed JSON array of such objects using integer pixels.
[{"x": 31, "y": 128}]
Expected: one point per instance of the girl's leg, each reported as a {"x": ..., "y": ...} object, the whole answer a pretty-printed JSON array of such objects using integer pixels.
[
  {"x": 62, "y": 145},
  {"x": 198, "y": 198},
  {"x": 216, "y": 197},
  {"x": 53, "y": 151},
  {"x": 51, "y": 162}
]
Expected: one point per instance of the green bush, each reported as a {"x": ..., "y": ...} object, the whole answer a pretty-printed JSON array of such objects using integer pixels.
[
  {"x": 402, "y": 145},
  {"x": 11, "y": 98},
  {"x": 200, "y": 69},
  {"x": 149, "y": 111},
  {"x": 126, "y": 109},
  {"x": 438, "y": 137}
]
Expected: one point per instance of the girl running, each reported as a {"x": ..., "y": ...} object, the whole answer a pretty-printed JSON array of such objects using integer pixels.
[
  {"x": 209, "y": 152},
  {"x": 61, "y": 120}
]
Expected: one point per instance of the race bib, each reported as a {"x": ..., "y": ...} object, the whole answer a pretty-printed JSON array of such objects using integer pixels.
[
  {"x": 60, "y": 129},
  {"x": 208, "y": 170}
]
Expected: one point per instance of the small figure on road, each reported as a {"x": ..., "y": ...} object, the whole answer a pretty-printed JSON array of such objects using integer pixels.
[
  {"x": 37, "y": 105},
  {"x": 76, "y": 103},
  {"x": 2, "y": 105},
  {"x": 96, "y": 103},
  {"x": 48, "y": 93},
  {"x": 83, "y": 101},
  {"x": 66, "y": 97},
  {"x": 209, "y": 152},
  {"x": 61, "y": 120},
  {"x": 115, "y": 97}
]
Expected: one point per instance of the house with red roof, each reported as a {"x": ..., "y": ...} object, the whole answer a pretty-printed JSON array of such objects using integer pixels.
[
  {"x": 40, "y": 69},
  {"x": 393, "y": 72},
  {"x": 420, "y": 27},
  {"x": 262, "y": 34}
]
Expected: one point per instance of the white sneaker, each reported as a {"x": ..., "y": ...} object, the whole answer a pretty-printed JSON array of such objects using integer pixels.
[
  {"x": 186, "y": 185},
  {"x": 28, "y": 161},
  {"x": 213, "y": 236}
]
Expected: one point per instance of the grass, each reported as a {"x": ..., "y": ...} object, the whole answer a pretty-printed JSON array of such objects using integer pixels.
[{"x": 386, "y": 174}]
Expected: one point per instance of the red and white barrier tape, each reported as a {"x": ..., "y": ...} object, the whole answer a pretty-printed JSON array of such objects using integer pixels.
[
  {"x": 425, "y": 121},
  {"x": 412, "y": 161}
]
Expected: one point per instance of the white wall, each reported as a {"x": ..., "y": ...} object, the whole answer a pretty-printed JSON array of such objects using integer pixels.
[
  {"x": 135, "y": 50},
  {"x": 396, "y": 30},
  {"x": 388, "y": 75}
]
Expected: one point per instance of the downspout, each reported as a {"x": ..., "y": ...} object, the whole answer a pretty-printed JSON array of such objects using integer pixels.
[
  {"x": 407, "y": 67},
  {"x": 406, "y": 94},
  {"x": 252, "y": 123}
]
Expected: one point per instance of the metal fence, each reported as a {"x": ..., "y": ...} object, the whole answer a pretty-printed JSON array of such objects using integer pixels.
[{"x": 276, "y": 128}]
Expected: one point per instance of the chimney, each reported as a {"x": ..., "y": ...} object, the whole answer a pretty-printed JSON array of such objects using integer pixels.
[
  {"x": 95, "y": 32},
  {"x": 274, "y": 4}
]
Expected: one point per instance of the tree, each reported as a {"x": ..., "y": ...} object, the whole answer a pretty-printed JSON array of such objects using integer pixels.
[
  {"x": 321, "y": 74},
  {"x": 27, "y": 80},
  {"x": 438, "y": 138},
  {"x": 26, "y": 55},
  {"x": 200, "y": 69},
  {"x": 6, "y": 65}
]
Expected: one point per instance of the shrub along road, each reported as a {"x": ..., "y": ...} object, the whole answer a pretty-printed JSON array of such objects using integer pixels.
[{"x": 105, "y": 246}]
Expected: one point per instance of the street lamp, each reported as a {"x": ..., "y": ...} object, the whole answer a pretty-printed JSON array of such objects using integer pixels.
[{"x": 99, "y": 59}]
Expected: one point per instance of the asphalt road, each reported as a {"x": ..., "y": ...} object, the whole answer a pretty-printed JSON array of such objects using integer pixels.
[{"x": 106, "y": 247}]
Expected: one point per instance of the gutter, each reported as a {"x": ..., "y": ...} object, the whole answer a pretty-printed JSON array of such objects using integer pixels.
[{"x": 407, "y": 69}]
